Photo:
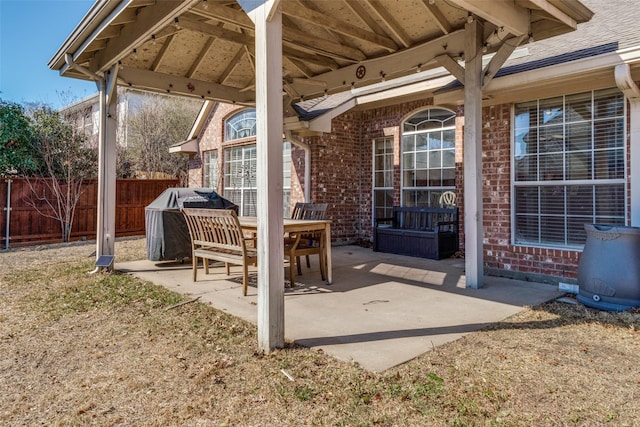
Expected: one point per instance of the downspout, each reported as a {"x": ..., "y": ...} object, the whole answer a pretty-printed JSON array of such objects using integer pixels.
[
  {"x": 632, "y": 92},
  {"x": 8, "y": 209},
  {"x": 307, "y": 162}
]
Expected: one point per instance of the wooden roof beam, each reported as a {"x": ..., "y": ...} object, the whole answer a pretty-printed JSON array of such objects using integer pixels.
[
  {"x": 232, "y": 65},
  {"x": 393, "y": 65},
  {"x": 291, "y": 50},
  {"x": 127, "y": 16},
  {"x": 501, "y": 13},
  {"x": 224, "y": 14},
  {"x": 109, "y": 32},
  {"x": 503, "y": 53},
  {"x": 393, "y": 27},
  {"x": 323, "y": 47},
  {"x": 201, "y": 55},
  {"x": 340, "y": 27},
  {"x": 357, "y": 6},
  {"x": 556, "y": 13},
  {"x": 178, "y": 85},
  {"x": 150, "y": 20},
  {"x": 337, "y": 40},
  {"x": 161, "y": 53},
  {"x": 300, "y": 66},
  {"x": 216, "y": 31},
  {"x": 440, "y": 19},
  {"x": 452, "y": 66}
]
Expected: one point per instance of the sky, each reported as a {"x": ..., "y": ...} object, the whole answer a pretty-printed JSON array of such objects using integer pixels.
[{"x": 31, "y": 32}]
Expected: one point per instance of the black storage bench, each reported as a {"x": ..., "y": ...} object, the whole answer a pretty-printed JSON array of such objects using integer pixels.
[{"x": 421, "y": 232}]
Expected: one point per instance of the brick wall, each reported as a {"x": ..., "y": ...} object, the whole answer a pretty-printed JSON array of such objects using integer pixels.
[
  {"x": 500, "y": 256},
  {"x": 337, "y": 176}
]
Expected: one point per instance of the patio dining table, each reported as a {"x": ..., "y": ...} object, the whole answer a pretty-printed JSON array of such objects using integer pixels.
[{"x": 250, "y": 224}]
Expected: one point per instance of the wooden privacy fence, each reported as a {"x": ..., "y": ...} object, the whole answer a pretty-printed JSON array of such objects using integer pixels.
[{"x": 27, "y": 227}]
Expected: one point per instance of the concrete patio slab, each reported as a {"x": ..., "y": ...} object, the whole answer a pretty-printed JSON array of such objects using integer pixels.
[{"x": 382, "y": 310}]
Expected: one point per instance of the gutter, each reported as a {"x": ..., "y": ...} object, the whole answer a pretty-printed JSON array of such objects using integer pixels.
[
  {"x": 566, "y": 70},
  {"x": 100, "y": 8}
]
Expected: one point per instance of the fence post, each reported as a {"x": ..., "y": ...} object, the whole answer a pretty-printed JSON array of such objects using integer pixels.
[{"x": 8, "y": 218}]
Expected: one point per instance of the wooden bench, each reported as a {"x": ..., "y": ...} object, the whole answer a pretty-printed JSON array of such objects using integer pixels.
[
  {"x": 216, "y": 235},
  {"x": 418, "y": 231}
]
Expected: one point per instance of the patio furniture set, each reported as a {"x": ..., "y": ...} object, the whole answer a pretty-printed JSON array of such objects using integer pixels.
[{"x": 220, "y": 235}]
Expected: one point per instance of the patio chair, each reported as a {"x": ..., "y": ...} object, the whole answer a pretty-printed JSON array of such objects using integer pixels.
[
  {"x": 299, "y": 244},
  {"x": 309, "y": 240}
]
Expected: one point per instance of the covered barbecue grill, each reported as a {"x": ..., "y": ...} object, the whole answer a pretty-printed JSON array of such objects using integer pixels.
[{"x": 166, "y": 230}]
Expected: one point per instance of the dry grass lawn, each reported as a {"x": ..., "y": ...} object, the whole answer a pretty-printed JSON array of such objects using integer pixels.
[{"x": 78, "y": 349}]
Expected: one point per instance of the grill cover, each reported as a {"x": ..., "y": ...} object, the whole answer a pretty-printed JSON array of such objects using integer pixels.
[{"x": 166, "y": 230}]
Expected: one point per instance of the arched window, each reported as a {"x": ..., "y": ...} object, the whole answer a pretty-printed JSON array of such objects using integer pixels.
[
  {"x": 240, "y": 164},
  {"x": 428, "y": 156},
  {"x": 240, "y": 125}
]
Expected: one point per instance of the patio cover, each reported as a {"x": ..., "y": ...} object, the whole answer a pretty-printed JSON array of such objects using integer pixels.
[{"x": 272, "y": 53}]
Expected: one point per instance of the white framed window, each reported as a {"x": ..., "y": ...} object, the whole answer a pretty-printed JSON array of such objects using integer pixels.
[
  {"x": 210, "y": 170},
  {"x": 382, "y": 196},
  {"x": 240, "y": 125},
  {"x": 428, "y": 157},
  {"x": 240, "y": 184},
  {"x": 286, "y": 179},
  {"x": 240, "y": 178},
  {"x": 568, "y": 166}
]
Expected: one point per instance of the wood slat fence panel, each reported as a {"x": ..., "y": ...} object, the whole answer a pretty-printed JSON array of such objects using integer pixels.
[{"x": 28, "y": 227}]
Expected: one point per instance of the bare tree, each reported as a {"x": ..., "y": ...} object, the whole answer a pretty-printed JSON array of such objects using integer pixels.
[
  {"x": 154, "y": 125},
  {"x": 66, "y": 163}
]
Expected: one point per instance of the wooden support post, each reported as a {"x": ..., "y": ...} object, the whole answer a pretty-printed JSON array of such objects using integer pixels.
[
  {"x": 106, "y": 221},
  {"x": 267, "y": 18},
  {"x": 473, "y": 234}
]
